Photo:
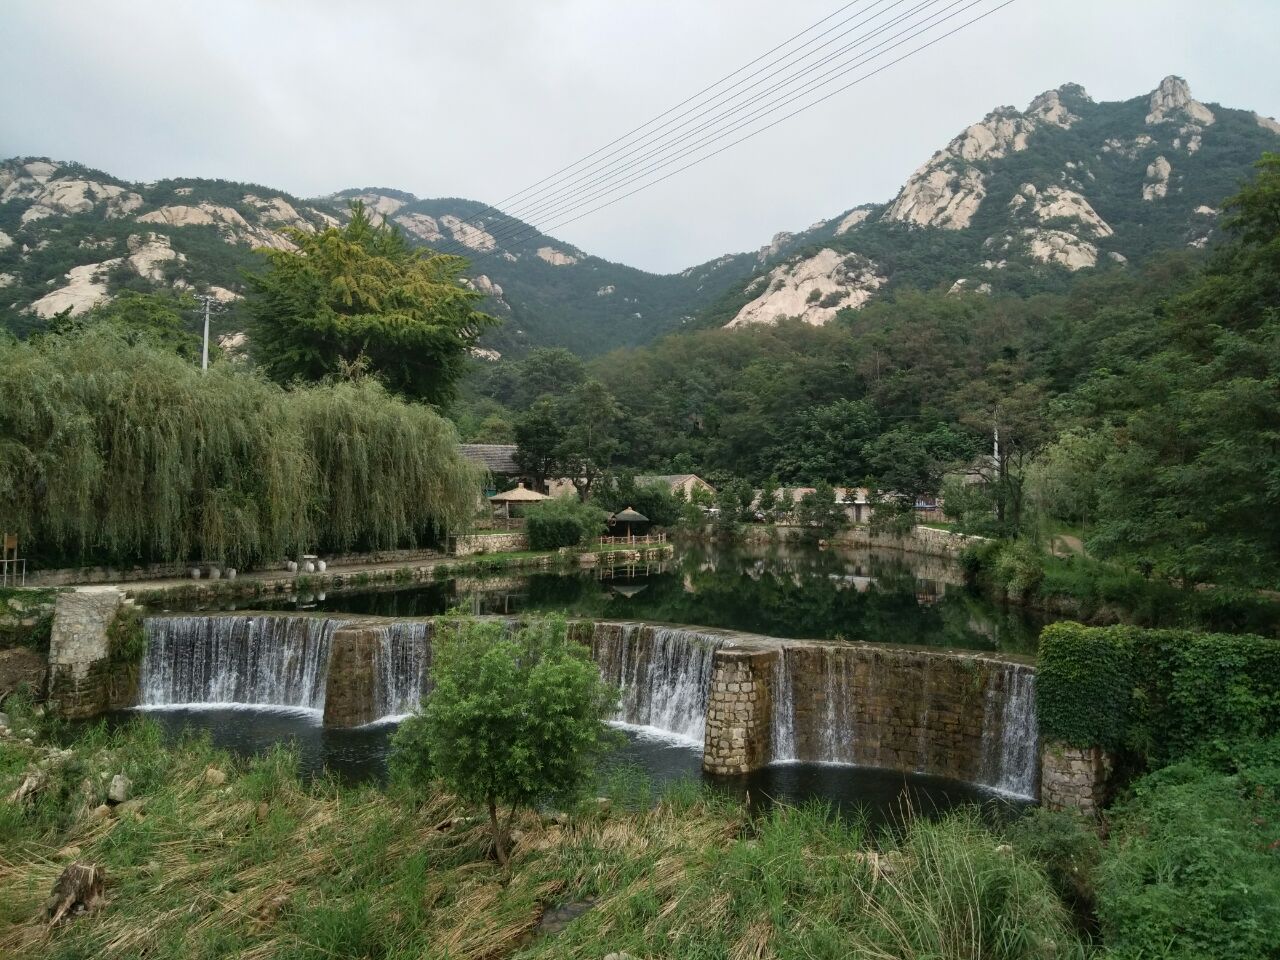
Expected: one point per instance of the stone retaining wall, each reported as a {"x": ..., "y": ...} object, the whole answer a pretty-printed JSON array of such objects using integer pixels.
[{"x": 472, "y": 544}]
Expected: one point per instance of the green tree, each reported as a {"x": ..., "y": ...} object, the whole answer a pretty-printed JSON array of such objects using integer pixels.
[
  {"x": 515, "y": 719},
  {"x": 819, "y": 511},
  {"x": 161, "y": 319},
  {"x": 539, "y": 431},
  {"x": 1193, "y": 482},
  {"x": 563, "y": 522},
  {"x": 362, "y": 291},
  {"x": 591, "y": 440}
]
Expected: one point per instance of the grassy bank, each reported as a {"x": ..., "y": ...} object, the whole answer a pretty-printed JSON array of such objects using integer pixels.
[
  {"x": 260, "y": 865},
  {"x": 1091, "y": 591}
]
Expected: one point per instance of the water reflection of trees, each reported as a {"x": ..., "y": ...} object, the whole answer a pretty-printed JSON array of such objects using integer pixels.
[{"x": 815, "y": 594}]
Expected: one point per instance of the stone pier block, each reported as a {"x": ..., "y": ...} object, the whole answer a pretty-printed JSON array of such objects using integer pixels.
[
  {"x": 739, "y": 729},
  {"x": 351, "y": 693},
  {"x": 80, "y": 650},
  {"x": 1074, "y": 777}
]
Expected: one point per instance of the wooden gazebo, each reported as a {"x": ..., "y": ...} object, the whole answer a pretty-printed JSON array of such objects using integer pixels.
[
  {"x": 518, "y": 495},
  {"x": 629, "y": 518}
]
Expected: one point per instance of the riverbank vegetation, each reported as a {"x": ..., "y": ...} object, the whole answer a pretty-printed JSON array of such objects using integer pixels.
[
  {"x": 1137, "y": 407},
  {"x": 216, "y": 856},
  {"x": 116, "y": 450}
]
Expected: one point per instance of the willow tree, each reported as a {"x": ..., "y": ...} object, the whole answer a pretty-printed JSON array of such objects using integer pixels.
[
  {"x": 361, "y": 293},
  {"x": 115, "y": 450}
]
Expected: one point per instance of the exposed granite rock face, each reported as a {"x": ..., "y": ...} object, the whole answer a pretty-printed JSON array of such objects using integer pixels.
[
  {"x": 421, "y": 226},
  {"x": 852, "y": 219},
  {"x": 1156, "y": 185},
  {"x": 774, "y": 246},
  {"x": 814, "y": 289},
  {"x": 79, "y": 650},
  {"x": 1057, "y": 203},
  {"x": 948, "y": 190},
  {"x": 1062, "y": 248},
  {"x": 1172, "y": 101},
  {"x": 943, "y": 194},
  {"x": 148, "y": 253},
  {"x": 468, "y": 234},
  {"x": 351, "y": 695},
  {"x": 557, "y": 258},
  {"x": 85, "y": 288},
  {"x": 1074, "y": 779},
  {"x": 1267, "y": 123}
]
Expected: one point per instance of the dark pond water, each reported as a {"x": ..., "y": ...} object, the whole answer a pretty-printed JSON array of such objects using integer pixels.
[
  {"x": 784, "y": 591},
  {"x": 642, "y": 766}
]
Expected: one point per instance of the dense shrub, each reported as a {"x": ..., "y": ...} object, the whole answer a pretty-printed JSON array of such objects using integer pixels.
[
  {"x": 1160, "y": 694},
  {"x": 1192, "y": 869},
  {"x": 115, "y": 450},
  {"x": 563, "y": 522}
]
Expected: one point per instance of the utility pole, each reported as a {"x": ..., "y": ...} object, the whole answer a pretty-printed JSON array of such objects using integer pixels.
[{"x": 207, "y": 299}]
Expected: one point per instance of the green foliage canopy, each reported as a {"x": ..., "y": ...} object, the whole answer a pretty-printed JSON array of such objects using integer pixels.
[
  {"x": 361, "y": 293},
  {"x": 515, "y": 718},
  {"x": 116, "y": 451}
]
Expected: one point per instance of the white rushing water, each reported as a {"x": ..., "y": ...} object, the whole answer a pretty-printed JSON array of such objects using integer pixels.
[
  {"x": 784, "y": 709},
  {"x": 262, "y": 661},
  {"x": 401, "y": 668},
  {"x": 664, "y": 674},
  {"x": 1011, "y": 733}
]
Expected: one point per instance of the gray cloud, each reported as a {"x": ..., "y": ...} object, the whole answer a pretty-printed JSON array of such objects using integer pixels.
[{"x": 480, "y": 99}]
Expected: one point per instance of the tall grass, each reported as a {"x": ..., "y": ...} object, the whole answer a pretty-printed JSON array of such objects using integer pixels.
[
  {"x": 267, "y": 867},
  {"x": 116, "y": 451}
]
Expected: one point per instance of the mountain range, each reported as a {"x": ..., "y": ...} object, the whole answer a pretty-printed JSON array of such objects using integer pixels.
[{"x": 1018, "y": 202}]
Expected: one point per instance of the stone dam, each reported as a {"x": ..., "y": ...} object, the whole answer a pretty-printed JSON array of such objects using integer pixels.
[{"x": 746, "y": 700}]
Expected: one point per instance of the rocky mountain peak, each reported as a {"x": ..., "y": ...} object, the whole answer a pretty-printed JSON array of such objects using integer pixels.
[{"x": 1172, "y": 100}]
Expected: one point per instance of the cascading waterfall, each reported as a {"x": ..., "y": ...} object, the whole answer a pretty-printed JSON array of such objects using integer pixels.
[
  {"x": 1011, "y": 733},
  {"x": 934, "y": 715},
  {"x": 784, "y": 709},
  {"x": 664, "y": 673},
  {"x": 265, "y": 661},
  {"x": 402, "y": 662}
]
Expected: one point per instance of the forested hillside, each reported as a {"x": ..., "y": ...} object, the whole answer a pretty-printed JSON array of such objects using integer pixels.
[
  {"x": 1140, "y": 405},
  {"x": 1022, "y": 202}
]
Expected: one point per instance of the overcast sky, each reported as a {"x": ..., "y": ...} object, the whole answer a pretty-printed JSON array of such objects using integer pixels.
[{"x": 481, "y": 98}]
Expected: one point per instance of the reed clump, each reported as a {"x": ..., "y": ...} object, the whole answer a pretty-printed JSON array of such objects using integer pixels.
[{"x": 262, "y": 865}]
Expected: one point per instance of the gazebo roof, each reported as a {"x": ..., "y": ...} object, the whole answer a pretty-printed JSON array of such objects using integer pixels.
[
  {"x": 630, "y": 516},
  {"x": 518, "y": 494}
]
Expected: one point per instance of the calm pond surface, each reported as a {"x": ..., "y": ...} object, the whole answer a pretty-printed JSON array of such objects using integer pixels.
[
  {"x": 799, "y": 592},
  {"x": 645, "y": 762}
]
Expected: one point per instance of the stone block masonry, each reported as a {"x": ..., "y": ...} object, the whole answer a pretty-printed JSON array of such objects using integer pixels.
[
  {"x": 470, "y": 545},
  {"x": 351, "y": 690},
  {"x": 739, "y": 725},
  {"x": 1074, "y": 777},
  {"x": 80, "y": 669}
]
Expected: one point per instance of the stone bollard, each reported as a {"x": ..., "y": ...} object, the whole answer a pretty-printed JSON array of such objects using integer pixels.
[
  {"x": 229, "y": 573},
  {"x": 215, "y": 573},
  {"x": 195, "y": 573},
  {"x": 321, "y": 566},
  {"x": 291, "y": 566},
  {"x": 308, "y": 567}
]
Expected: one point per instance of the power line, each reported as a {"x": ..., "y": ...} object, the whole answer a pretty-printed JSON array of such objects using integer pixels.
[
  {"x": 684, "y": 147},
  {"x": 531, "y": 229},
  {"x": 731, "y": 93},
  {"x": 464, "y": 250},
  {"x": 513, "y": 230},
  {"x": 520, "y": 231}
]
